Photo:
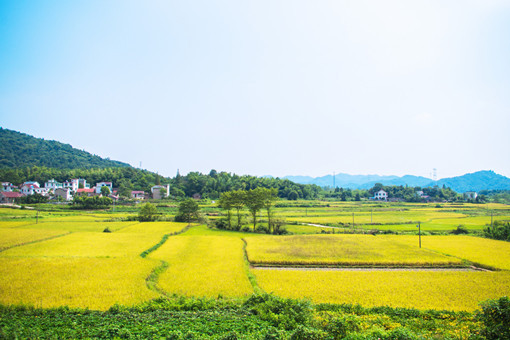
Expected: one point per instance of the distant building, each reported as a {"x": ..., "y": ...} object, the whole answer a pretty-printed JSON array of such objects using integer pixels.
[
  {"x": 86, "y": 192},
  {"x": 197, "y": 196},
  {"x": 29, "y": 188},
  {"x": 65, "y": 193},
  {"x": 138, "y": 195},
  {"x": 381, "y": 195},
  {"x": 470, "y": 195},
  {"x": 157, "y": 190},
  {"x": 9, "y": 196},
  {"x": 103, "y": 184},
  {"x": 83, "y": 183},
  {"x": 73, "y": 184},
  {"x": 52, "y": 184},
  {"x": 7, "y": 186}
]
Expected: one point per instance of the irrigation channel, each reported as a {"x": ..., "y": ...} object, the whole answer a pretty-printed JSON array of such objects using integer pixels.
[{"x": 373, "y": 269}]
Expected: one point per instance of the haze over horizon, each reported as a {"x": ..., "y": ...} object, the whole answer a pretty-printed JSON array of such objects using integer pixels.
[{"x": 264, "y": 88}]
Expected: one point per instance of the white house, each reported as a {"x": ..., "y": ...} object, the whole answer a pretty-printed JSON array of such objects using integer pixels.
[
  {"x": 103, "y": 184},
  {"x": 7, "y": 186},
  {"x": 381, "y": 195},
  {"x": 470, "y": 195},
  {"x": 73, "y": 184},
  {"x": 29, "y": 189},
  {"x": 138, "y": 195},
  {"x": 84, "y": 183},
  {"x": 52, "y": 184},
  {"x": 156, "y": 191}
]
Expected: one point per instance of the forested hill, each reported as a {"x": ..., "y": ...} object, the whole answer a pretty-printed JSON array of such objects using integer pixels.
[{"x": 21, "y": 150}]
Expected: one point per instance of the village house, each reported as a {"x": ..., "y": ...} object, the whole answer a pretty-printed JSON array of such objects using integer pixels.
[
  {"x": 64, "y": 193},
  {"x": 103, "y": 184},
  {"x": 8, "y": 186},
  {"x": 9, "y": 196},
  {"x": 86, "y": 192},
  {"x": 381, "y": 195},
  {"x": 160, "y": 191},
  {"x": 138, "y": 195},
  {"x": 470, "y": 195},
  {"x": 72, "y": 184},
  {"x": 52, "y": 184},
  {"x": 31, "y": 188}
]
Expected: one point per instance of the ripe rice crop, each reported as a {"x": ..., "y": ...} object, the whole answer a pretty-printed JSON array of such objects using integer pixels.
[
  {"x": 159, "y": 228},
  {"x": 75, "y": 282},
  {"x": 10, "y": 237},
  {"x": 203, "y": 266},
  {"x": 89, "y": 244},
  {"x": 342, "y": 250},
  {"x": 487, "y": 252},
  {"x": 422, "y": 290}
]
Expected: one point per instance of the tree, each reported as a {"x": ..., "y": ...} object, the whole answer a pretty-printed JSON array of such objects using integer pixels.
[
  {"x": 238, "y": 202},
  {"x": 226, "y": 203},
  {"x": 105, "y": 191},
  {"x": 293, "y": 195},
  {"x": 268, "y": 198},
  {"x": 147, "y": 212},
  {"x": 188, "y": 211},
  {"x": 254, "y": 201}
]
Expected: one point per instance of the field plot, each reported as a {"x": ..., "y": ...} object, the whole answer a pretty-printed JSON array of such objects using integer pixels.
[
  {"x": 203, "y": 266},
  {"x": 10, "y": 237},
  {"x": 98, "y": 244},
  {"x": 342, "y": 250},
  {"x": 486, "y": 252},
  {"x": 80, "y": 282},
  {"x": 422, "y": 290}
]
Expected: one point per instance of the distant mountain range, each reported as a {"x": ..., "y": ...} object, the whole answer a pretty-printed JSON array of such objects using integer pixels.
[
  {"x": 19, "y": 150},
  {"x": 477, "y": 181}
]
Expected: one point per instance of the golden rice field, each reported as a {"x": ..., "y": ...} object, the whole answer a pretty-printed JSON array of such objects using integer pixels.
[
  {"x": 16, "y": 237},
  {"x": 75, "y": 282},
  {"x": 422, "y": 290},
  {"x": 203, "y": 266},
  {"x": 487, "y": 252},
  {"x": 123, "y": 243},
  {"x": 342, "y": 250}
]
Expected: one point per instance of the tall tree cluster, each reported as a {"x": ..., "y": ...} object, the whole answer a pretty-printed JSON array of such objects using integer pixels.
[{"x": 253, "y": 200}]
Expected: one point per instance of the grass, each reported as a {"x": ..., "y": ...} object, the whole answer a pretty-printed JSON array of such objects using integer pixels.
[
  {"x": 423, "y": 290},
  {"x": 342, "y": 250},
  {"x": 203, "y": 266},
  {"x": 75, "y": 282}
]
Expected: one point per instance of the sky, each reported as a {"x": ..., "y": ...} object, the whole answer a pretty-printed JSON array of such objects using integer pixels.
[{"x": 264, "y": 87}]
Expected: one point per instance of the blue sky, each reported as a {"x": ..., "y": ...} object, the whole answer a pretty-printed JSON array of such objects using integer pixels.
[{"x": 264, "y": 87}]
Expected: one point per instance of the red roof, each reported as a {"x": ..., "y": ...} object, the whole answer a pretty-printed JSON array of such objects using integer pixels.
[
  {"x": 11, "y": 194},
  {"x": 85, "y": 190}
]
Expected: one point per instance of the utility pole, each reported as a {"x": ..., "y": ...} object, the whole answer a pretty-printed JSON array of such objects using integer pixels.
[
  {"x": 352, "y": 221},
  {"x": 371, "y": 214},
  {"x": 492, "y": 211},
  {"x": 419, "y": 232},
  {"x": 37, "y": 217},
  {"x": 334, "y": 183}
]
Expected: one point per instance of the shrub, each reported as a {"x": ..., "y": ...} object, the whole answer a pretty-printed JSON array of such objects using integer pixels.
[
  {"x": 340, "y": 327},
  {"x": 280, "y": 312},
  {"x": 460, "y": 230},
  {"x": 306, "y": 333},
  {"x": 107, "y": 230},
  {"x": 495, "y": 316}
]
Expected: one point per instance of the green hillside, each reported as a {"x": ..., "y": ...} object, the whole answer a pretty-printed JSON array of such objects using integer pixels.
[{"x": 21, "y": 150}]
